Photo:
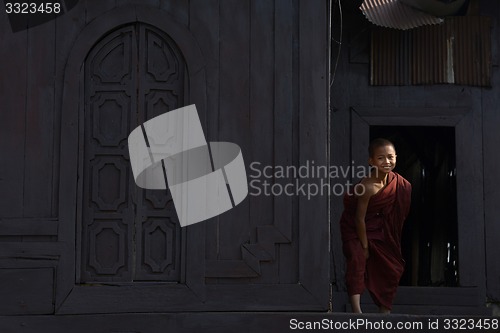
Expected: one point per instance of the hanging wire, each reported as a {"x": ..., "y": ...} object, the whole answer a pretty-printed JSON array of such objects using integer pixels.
[{"x": 338, "y": 41}]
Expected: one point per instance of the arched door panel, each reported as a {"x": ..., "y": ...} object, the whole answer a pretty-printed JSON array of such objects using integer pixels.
[{"x": 127, "y": 234}]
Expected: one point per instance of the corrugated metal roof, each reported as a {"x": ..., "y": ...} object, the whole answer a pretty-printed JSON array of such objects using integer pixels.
[
  {"x": 395, "y": 14},
  {"x": 458, "y": 51}
]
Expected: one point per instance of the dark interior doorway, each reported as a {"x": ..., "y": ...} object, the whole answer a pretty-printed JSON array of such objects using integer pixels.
[{"x": 426, "y": 158}]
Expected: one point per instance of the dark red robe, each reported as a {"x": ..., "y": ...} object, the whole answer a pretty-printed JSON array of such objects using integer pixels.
[{"x": 385, "y": 215}]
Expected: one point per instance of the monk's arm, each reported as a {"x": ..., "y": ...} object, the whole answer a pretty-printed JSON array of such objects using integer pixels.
[{"x": 359, "y": 219}]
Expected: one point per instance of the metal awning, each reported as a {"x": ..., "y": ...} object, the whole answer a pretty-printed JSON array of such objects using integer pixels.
[{"x": 396, "y": 14}]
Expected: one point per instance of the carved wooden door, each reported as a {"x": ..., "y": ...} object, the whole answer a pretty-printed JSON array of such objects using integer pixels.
[{"x": 126, "y": 233}]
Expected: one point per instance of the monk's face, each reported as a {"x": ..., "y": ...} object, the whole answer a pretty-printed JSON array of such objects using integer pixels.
[{"x": 383, "y": 158}]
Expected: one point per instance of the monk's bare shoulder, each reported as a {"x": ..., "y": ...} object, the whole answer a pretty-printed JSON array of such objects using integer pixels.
[{"x": 365, "y": 188}]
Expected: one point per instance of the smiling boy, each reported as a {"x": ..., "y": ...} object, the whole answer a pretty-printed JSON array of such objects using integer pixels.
[{"x": 371, "y": 227}]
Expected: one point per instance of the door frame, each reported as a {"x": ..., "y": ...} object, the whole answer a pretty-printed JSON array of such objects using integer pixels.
[
  {"x": 469, "y": 165},
  {"x": 71, "y": 298}
]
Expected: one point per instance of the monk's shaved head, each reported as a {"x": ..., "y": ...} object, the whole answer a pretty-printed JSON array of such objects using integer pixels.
[{"x": 379, "y": 142}]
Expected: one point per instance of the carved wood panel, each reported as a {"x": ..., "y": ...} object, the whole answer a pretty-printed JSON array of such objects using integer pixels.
[{"x": 127, "y": 234}]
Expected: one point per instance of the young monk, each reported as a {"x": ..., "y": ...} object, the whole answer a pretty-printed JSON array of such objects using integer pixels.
[{"x": 371, "y": 227}]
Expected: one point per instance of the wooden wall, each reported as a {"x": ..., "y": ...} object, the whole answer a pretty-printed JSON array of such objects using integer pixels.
[
  {"x": 258, "y": 73},
  {"x": 491, "y": 136},
  {"x": 353, "y": 99}
]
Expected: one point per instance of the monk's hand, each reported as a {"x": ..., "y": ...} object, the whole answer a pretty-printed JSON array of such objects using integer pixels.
[{"x": 366, "y": 252}]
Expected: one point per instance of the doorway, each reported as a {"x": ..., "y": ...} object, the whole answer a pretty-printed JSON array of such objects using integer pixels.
[{"x": 427, "y": 159}]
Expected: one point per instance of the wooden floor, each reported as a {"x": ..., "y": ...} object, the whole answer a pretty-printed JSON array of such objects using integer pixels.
[
  {"x": 221, "y": 322},
  {"x": 425, "y": 301}
]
